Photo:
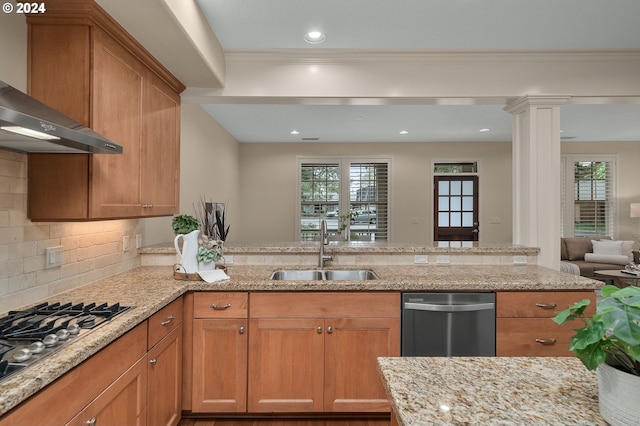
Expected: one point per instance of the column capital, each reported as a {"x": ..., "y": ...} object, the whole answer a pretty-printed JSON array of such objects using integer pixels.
[{"x": 528, "y": 101}]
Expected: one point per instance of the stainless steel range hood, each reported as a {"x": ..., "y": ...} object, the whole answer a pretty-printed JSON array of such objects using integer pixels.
[{"x": 41, "y": 129}]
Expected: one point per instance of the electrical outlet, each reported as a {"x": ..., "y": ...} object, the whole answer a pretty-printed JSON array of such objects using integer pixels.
[
  {"x": 53, "y": 257},
  {"x": 442, "y": 259},
  {"x": 125, "y": 243},
  {"x": 420, "y": 258},
  {"x": 519, "y": 260},
  {"x": 228, "y": 260},
  {"x": 138, "y": 241}
]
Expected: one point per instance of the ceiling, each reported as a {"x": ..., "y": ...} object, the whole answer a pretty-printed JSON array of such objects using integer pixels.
[{"x": 413, "y": 25}]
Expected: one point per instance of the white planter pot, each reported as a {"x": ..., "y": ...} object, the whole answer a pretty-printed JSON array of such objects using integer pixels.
[{"x": 618, "y": 396}]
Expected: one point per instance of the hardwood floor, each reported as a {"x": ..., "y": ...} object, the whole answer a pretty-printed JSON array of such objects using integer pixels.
[{"x": 282, "y": 422}]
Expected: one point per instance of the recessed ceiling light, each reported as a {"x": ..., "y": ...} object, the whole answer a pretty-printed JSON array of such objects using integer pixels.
[
  {"x": 485, "y": 130},
  {"x": 314, "y": 37},
  {"x": 404, "y": 132},
  {"x": 294, "y": 132}
]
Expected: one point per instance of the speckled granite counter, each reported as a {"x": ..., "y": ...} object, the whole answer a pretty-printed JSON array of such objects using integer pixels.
[
  {"x": 149, "y": 289},
  {"x": 362, "y": 247},
  {"x": 490, "y": 391}
]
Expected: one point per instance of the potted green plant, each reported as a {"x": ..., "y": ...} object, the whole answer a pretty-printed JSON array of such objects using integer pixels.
[
  {"x": 184, "y": 223},
  {"x": 609, "y": 343}
]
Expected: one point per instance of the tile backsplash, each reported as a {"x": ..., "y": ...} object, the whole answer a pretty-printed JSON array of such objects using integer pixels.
[{"x": 90, "y": 250}]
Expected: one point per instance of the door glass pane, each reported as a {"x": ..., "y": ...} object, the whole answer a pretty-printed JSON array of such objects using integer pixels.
[
  {"x": 467, "y": 187},
  {"x": 443, "y": 188},
  {"x": 467, "y": 203},
  {"x": 456, "y": 187},
  {"x": 467, "y": 219},
  {"x": 443, "y": 204},
  {"x": 456, "y": 204},
  {"x": 443, "y": 219},
  {"x": 456, "y": 219}
]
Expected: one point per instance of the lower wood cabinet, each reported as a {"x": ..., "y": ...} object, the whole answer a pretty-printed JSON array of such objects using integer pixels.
[
  {"x": 524, "y": 326},
  {"x": 164, "y": 378},
  {"x": 219, "y": 356},
  {"x": 122, "y": 403},
  {"x": 316, "y": 352}
]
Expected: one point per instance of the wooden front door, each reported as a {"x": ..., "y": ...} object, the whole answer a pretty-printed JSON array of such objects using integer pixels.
[{"x": 455, "y": 208}]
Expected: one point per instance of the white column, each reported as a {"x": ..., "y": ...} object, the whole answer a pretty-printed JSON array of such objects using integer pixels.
[{"x": 536, "y": 174}]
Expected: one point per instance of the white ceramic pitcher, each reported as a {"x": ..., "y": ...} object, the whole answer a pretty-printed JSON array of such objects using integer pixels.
[{"x": 188, "y": 258}]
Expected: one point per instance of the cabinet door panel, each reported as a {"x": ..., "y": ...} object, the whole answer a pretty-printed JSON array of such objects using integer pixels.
[
  {"x": 219, "y": 365},
  {"x": 352, "y": 382},
  {"x": 160, "y": 168},
  {"x": 117, "y": 104},
  {"x": 286, "y": 365},
  {"x": 165, "y": 380},
  {"x": 122, "y": 403}
]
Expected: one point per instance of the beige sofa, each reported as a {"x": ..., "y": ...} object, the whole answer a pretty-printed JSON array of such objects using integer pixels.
[{"x": 578, "y": 252}]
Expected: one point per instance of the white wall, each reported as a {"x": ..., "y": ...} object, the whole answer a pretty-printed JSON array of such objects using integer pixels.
[{"x": 269, "y": 173}]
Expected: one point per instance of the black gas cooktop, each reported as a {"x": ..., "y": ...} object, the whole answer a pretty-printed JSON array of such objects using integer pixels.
[{"x": 30, "y": 335}]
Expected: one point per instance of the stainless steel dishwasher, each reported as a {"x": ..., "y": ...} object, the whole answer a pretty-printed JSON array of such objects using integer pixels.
[{"x": 448, "y": 324}]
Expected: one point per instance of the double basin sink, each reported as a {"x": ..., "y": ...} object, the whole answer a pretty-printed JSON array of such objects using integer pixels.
[{"x": 324, "y": 275}]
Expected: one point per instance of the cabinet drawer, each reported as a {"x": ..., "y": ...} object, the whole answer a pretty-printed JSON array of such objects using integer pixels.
[
  {"x": 532, "y": 337},
  {"x": 220, "y": 305},
  {"x": 325, "y": 305},
  {"x": 162, "y": 322},
  {"x": 539, "y": 304}
]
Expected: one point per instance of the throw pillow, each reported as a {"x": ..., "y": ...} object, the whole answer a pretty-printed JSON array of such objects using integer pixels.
[
  {"x": 614, "y": 259},
  {"x": 613, "y": 248},
  {"x": 607, "y": 247}
]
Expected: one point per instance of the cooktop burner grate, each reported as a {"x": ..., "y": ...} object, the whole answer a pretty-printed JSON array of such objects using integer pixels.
[{"x": 29, "y": 335}]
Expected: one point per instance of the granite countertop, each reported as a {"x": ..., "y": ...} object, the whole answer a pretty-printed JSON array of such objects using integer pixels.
[
  {"x": 148, "y": 289},
  {"x": 490, "y": 391},
  {"x": 360, "y": 247}
]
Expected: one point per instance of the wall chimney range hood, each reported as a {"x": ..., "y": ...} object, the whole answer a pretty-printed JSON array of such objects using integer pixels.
[{"x": 28, "y": 125}]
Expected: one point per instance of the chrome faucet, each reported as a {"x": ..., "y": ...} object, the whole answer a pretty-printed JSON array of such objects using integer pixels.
[{"x": 324, "y": 240}]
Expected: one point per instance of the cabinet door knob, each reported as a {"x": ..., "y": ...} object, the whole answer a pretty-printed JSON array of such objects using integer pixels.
[
  {"x": 241, "y": 330},
  {"x": 329, "y": 329},
  {"x": 546, "y": 305},
  {"x": 169, "y": 320},
  {"x": 319, "y": 330},
  {"x": 91, "y": 422},
  {"x": 153, "y": 361},
  {"x": 546, "y": 341},
  {"x": 220, "y": 307}
]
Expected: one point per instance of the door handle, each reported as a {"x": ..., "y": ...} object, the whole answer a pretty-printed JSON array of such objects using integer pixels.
[{"x": 448, "y": 308}]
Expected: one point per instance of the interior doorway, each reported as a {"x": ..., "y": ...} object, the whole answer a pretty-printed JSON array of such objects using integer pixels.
[{"x": 456, "y": 208}]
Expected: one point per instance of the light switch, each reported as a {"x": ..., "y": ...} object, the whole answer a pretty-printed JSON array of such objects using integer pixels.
[{"x": 53, "y": 257}]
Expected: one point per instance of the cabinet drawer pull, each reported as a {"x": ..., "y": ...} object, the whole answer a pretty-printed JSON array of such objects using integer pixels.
[
  {"x": 220, "y": 307},
  {"x": 169, "y": 320},
  {"x": 546, "y": 305},
  {"x": 546, "y": 341},
  {"x": 153, "y": 361},
  {"x": 319, "y": 330},
  {"x": 241, "y": 330}
]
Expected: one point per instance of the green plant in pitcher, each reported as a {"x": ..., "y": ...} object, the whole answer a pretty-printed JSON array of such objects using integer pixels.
[{"x": 184, "y": 223}]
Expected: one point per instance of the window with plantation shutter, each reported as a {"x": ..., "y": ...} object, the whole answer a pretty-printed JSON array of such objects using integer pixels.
[
  {"x": 591, "y": 184},
  {"x": 351, "y": 194}
]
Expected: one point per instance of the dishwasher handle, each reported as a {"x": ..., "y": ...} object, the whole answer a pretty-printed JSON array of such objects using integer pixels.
[{"x": 412, "y": 306}]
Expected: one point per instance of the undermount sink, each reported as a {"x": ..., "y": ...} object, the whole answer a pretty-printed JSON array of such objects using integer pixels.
[{"x": 324, "y": 275}]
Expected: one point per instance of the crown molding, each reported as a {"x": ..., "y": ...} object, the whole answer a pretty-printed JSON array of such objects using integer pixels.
[{"x": 341, "y": 56}]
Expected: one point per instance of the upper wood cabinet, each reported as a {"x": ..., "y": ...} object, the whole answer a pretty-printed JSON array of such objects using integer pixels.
[{"x": 82, "y": 63}]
